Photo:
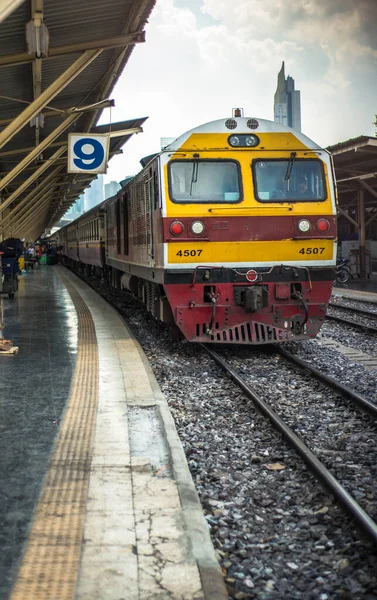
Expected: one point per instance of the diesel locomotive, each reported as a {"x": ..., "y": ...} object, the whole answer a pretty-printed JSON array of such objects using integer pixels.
[{"x": 229, "y": 233}]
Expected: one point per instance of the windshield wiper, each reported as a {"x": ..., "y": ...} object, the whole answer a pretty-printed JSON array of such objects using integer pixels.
[
  {"x": 195, "y": 170},
  {"x": 289, "y": 166}
]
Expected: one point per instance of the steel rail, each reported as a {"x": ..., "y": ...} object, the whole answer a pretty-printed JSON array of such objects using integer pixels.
[
  {"x": 363, "y": 403},
  {"x": 367, "y": 313},
  {"x": 352, "y": 323},
  {"x": 318, "y": 468}
]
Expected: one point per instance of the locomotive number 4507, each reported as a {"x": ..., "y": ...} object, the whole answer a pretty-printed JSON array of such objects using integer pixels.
[
  {"x": 189, "y": 252},
  {"x": 311, "y": 251}
]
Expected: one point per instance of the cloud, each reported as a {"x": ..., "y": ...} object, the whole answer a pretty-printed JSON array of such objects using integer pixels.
[{"x": 193, "y": 70}]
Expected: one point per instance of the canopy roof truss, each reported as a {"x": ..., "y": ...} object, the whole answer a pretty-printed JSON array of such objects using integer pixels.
[
  {"x": 355, "y": 163},
  {"x": 59, "y": 62}
]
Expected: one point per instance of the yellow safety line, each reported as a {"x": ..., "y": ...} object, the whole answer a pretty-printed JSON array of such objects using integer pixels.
[{"x": 51, "y": 561}]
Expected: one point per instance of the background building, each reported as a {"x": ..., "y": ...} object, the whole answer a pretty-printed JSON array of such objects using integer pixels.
[
  {"x": 287, "y": 103},
  {"x": 111, "y": 189},
  {"x": 93, "y": 195}
]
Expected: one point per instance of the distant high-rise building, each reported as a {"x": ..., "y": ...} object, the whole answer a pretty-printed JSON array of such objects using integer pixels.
[
  {"x": 77, "y": 208},
  {"x": 94, "y": 194},
  {"x": 287, "y": 104},
  {"x": 111, "y": 189}
]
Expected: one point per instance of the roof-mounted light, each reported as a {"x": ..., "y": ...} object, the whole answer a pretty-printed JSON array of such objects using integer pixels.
[{"x": 243, "y": 141}]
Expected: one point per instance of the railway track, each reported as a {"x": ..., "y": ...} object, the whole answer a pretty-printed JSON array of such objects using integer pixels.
[
  {"x": 354, "y": 309},
  {"x": 371, "y": 327},
  {"x": 264, "y": 523},
  {"x": 356, "y": 512},
  {"x": 338, "y": 387}
]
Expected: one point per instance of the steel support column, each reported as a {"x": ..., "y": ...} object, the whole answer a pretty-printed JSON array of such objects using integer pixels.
[{"x": 361, "y": 218}]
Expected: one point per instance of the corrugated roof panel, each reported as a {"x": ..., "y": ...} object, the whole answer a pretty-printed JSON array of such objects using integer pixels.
[
  {"x": 68, "y": 22},
  {"x": 65, "y": 21},
  {"x": 14, "y": 83},
  {"x": 12, "y": 30}
]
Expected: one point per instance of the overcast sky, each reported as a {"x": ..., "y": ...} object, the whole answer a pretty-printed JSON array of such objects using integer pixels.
[{"x": 204, "y": 57}]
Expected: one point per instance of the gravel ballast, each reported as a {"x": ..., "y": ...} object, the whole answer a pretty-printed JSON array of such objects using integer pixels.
[{"x": 277, "y": 533}]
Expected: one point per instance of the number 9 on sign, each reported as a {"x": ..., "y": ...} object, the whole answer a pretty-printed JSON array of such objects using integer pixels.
[{"x": 87, "y": 153}]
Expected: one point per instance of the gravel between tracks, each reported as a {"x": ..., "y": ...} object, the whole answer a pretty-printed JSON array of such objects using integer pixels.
[{"x": 277, "y": 534}]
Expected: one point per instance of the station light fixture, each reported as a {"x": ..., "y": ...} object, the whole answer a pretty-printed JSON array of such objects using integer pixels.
[{"x": 37, "y": 36}]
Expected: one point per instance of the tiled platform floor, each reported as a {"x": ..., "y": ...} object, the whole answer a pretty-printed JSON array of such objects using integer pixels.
[
  {"x": 119, "y": 515},
  {"x": 34, "y": 386}
]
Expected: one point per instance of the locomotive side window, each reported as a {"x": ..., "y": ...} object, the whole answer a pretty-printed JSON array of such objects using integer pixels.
[
  {"x": 289, "y": 180},
  {"x": 194, "y": 181}
]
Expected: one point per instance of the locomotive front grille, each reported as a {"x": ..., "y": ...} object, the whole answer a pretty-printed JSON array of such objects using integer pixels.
[{"x": 244, "y": 334}]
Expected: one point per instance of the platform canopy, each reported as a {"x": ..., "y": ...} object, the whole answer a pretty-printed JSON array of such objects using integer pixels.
[
  {"x": 59, "y": 62},
  {"x": 355, "y": 163}
]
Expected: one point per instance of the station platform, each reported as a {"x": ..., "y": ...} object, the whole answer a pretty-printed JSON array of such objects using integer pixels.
[
  {"x": 364, "y": 290},
  {"x": 97, "y": 501}
]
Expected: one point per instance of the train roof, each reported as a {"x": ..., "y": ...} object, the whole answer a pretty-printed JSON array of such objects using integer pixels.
[{"x": 241, "y": 125}]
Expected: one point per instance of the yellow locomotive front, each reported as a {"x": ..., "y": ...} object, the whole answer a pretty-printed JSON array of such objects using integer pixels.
[{"x": 249, "y": 232}]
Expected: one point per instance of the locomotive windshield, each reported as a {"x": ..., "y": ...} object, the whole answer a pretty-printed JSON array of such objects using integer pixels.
[
  {"x": 305, "y": 183},
  {"x": 204, "y": 181}
]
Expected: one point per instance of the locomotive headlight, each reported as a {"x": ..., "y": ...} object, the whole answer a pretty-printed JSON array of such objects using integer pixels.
[
  {"x": 243, "y": 141},
  {"x": 234, "y": 140},
  {"x": 304, "y": 225},
  {"x": 197, "y": 227},
  {"x": 251, "y": 140}
]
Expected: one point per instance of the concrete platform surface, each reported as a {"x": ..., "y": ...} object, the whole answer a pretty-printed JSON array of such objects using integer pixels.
[
  {"x": 118, "y": 515},
  {"x": 358, "y": 289}
]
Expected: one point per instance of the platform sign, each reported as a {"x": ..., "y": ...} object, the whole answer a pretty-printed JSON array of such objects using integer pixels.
[
  {"x": 47, "y": 232},
  {"x": 88, "y": 153}
]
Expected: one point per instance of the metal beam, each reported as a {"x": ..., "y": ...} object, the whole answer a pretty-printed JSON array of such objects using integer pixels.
[
  {"x": 28, "y": 149},
  {"x": 53, "y": 90},
  {"x": 112, "y": 42},
  {"x": 369, "y": 188},
  {"x": 57, "y": 112},
  {"x": 15, "y": 224},
  {"x": 34, "y": 196},
  {"x": 361, "y": 217},
  {"x": 38, "y": 150},
  {"x": 7, "y": 7},
  {"x": 17, "y": 227},
  {"x": 32, "y": 178},
  {"x": 358, "y": 177},
  {"x": 114, "y": 134},
  {"x": 372, "y": 217},
  {"x": 343, "y": 212}
]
